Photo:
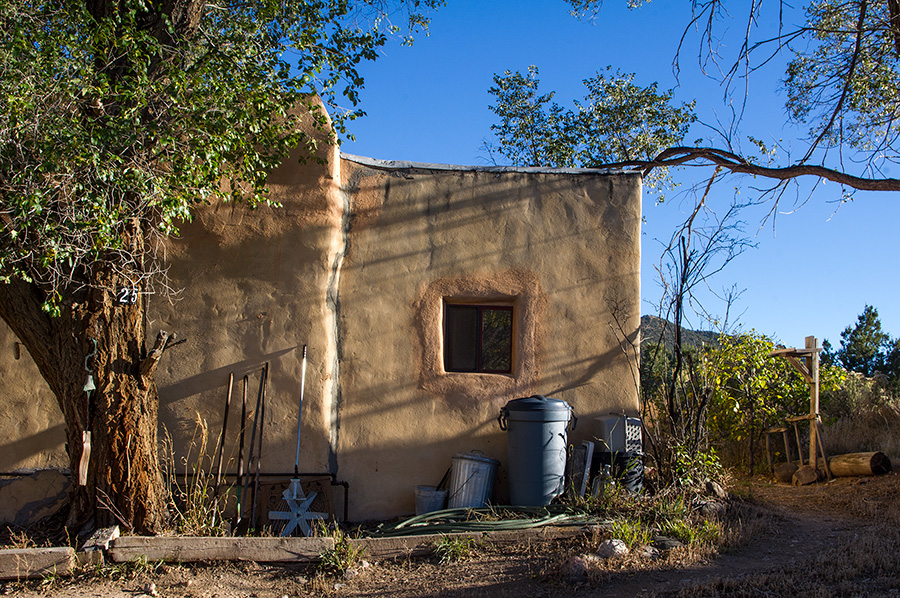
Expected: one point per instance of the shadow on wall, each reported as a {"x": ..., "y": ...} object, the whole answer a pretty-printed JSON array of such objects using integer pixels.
[
  {"x": 442, "y": 217},
  {"x": 30, "y": 448},
  {"x": 192, "y": 414},
  {"x": 216, "y": 379},
  {"x": 579, "y": 240}
]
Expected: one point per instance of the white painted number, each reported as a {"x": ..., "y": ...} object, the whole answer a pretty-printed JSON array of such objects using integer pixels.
[{"x": 127, "y": 296}]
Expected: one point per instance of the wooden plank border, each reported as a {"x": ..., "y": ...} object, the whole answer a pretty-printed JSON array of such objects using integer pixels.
[
  {"x": 305, "y": 550},
  {"x": 30, "y": 563},
  {"x": 190, "y": 549}
]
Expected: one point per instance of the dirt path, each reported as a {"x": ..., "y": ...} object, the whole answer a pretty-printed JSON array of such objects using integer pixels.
[
  {"x": 801, "y": 535},
  {"x": 836, "y": 539}
]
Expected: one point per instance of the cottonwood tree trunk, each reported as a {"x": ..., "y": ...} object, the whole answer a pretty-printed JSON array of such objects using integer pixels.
[{"x": 124, "y": 483}]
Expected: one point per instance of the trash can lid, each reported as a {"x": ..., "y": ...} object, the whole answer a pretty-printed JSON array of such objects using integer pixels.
[
  {"x": 537, "y": 403},
  {"x": 473, "y": 456}
]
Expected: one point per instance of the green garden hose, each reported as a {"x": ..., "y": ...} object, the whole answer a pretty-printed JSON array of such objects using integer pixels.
[{"x": 451, "y": 521}]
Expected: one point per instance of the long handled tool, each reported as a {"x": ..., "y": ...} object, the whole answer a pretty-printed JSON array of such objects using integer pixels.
[
  {"x": 298, "y": 514},
  {"x": 240, "y": 476},
  {"x": 300, "y": 412},
  {"x": 263, "y": 385},
  {"x": 221, "y": 449},
  {"x": 246, "y": 522}
]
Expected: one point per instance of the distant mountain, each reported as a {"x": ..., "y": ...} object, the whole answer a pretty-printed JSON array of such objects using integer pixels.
[{"x": 652, "y": 327}]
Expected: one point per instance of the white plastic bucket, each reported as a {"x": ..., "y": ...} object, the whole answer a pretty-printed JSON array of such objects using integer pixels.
[
  {"x": 429, "y": 498},
  {"x": 471, "y": 481}
]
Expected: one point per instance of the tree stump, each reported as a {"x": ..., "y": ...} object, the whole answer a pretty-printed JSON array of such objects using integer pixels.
[
  {"x": 807, "y": 475},
  {"x": 784, "y": 472}
]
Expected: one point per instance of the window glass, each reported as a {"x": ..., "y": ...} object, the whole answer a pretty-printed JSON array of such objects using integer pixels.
[
  {"x": 478, "y": 338},
  {"x": 461, "y": 339},
  {"x": 496, "y": 340}
]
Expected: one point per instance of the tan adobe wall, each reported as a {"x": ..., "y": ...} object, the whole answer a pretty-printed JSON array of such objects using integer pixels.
[
  {"x": 255, "y": 288},
  {"x": 32, "y": 432},
  {"x": 251, "y": 286},
  {"x": 356, "y": 264},
  {"x": 565, "y": 248}
]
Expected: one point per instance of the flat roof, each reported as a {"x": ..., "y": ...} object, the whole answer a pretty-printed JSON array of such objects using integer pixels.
[{"x": 406, "y": 165}]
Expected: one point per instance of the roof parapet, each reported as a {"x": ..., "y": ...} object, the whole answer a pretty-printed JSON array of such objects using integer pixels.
[{"x": 406, "y": 165}]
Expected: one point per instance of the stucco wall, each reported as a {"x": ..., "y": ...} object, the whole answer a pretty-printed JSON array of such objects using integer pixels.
[
  {"x": 255, "y": 288},
  {"x": 565, "y": 247},
  {"x": 356, "y": 264},
  {"x": 32, "y": 432}
]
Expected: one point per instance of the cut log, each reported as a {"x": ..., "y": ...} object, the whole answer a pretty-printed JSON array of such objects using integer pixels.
[
  {"x": 807, "y": 475},
  {"x": 854, "y": 464},
  {"x": 784, "y": 472}
]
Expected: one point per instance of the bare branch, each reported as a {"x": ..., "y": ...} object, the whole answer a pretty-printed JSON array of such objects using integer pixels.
[
  {"x": 678, "y": 156},
  {"x": 848, "y": 82}
]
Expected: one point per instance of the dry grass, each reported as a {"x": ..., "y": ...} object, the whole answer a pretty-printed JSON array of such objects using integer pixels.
[
  {"x": 48, "y": 532},
  {"x": 872, "y": 429},
  {"x": 195, "y": 507},
  {"x": 740, "y": 522},
  {"x": 862, "y": 416}
]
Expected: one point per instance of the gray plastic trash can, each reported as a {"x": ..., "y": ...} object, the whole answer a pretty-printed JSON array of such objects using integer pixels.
[{"x": 537, "y": 448}]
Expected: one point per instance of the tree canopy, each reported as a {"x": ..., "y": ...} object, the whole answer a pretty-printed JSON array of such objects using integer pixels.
[
  {"x": 618, "y": 121},
  {"x": 866, "y": 348},
  {"x": 119, "y": 118},
  {"x": 126, "y": 112}
]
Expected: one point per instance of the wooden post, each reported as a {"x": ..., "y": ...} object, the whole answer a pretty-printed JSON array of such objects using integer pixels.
[
  {"x": 812, "y": 366},
  {"x": 809, "y": 369}
]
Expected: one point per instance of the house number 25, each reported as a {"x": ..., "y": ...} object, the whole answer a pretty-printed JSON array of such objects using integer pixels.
[{"x": 127, "y": 296}]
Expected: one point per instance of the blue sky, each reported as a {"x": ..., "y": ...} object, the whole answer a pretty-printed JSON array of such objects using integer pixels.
[{"x": 810, "y": 275}]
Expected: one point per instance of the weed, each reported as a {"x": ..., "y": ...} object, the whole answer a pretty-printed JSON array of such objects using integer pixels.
[
  {"x": 139, "y": 567},
  {"x": 708, "y": 533},
  {"x": 197, "y": 509},
  {"x": 702, "y": 533},
  {"x": 20, "y": 540},
  {"x": 451, "y": 549},
  {"x": 335, "y": 561},
  {"x": 667, "y": 507},
  {"x": 49, "y": 579},
  {"x": 634, "y": 533}
]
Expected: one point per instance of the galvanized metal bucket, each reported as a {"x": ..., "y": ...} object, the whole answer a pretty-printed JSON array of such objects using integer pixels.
[
  {"x": 429, "y": 498},
  {"x": 471, "y": 480}
]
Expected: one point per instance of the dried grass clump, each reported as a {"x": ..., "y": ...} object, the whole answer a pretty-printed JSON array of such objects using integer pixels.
[
  {"x": 862, "y": 416},
  {"x": 871, "y": 429}
]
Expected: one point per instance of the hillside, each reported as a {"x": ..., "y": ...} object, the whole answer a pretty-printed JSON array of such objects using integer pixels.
[{"x": 652, "y": 327}]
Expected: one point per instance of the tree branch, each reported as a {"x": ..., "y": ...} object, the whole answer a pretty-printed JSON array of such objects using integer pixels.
[
  {"x": 148, "y": 366},
  {"x": 848, "y": 81},
  {"x": 677, "y": 156}
]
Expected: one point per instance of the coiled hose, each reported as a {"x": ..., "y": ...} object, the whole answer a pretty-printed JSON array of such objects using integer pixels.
[{"x": 488, "y": 519}]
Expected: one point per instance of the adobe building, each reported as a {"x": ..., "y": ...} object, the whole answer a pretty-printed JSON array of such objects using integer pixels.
[{"x": 428, "y": 296}]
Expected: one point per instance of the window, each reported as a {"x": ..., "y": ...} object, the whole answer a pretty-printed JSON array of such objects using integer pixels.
[{"x": 478, "y": 338}]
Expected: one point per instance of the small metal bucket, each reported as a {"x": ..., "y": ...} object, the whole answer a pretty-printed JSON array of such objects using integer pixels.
[
  {"x": 429, "y": 498},
  {"x": 471, "y": 480}
]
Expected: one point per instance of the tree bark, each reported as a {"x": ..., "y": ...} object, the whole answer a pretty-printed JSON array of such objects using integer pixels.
[{"x": 124, "y": 483}]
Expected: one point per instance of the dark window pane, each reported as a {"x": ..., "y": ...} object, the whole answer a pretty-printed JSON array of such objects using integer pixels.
[
  {"x": 496, "y": 340},
  {"x": 461, "y": 339}
]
